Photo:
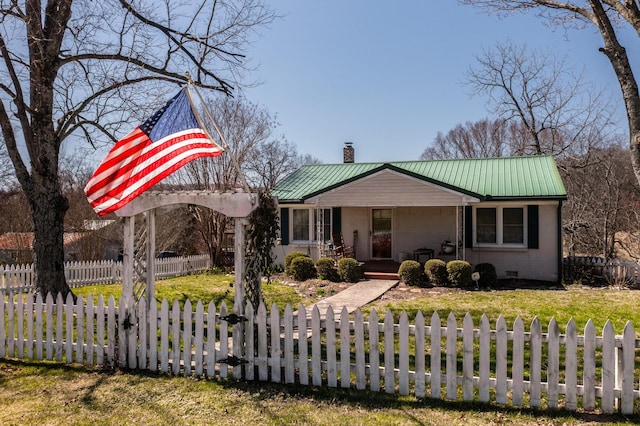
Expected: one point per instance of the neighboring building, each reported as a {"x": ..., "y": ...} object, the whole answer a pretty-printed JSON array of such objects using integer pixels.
[
  {"x": 505, "y": 211},
  {"x": 17, "y": 247}
]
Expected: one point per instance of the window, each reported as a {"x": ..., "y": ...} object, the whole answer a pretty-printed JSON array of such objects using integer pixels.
[
  {"x": 513, "y": 226},
  {"x": 305, "y": 224},
  {"x": 486, "y": 226},
  {"x": 500, "y": 226},
  {"x": 301, "y": 224}
]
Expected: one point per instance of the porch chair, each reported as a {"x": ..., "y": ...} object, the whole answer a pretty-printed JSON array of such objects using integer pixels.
[{"x": 340, "y": 251}]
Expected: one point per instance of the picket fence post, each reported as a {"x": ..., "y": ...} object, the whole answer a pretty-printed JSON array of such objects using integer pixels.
[{"x": 330, "y": 327}]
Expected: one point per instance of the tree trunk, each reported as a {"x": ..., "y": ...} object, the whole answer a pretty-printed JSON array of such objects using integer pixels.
[
  {"x": 48, "y": 208},
  {"x": 619, "y": 59}
]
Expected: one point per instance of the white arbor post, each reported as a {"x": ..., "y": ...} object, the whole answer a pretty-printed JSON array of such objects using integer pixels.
[
  {"x": 239, "y": 267},
  {"x": 150, "y": 290},
  {"x": 127, "y": 257}
]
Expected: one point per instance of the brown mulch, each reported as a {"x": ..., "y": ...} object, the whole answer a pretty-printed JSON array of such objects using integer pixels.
[{"x": 320, "y": 289}]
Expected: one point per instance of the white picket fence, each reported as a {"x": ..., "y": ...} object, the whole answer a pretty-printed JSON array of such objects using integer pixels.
[
  {"x": 22, "y": 277},
  {"x": 439, "y": 360}
]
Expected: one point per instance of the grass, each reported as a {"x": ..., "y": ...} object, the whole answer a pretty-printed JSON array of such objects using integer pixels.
[
  {"x": 205, "y": 287},
  {"x": 579, "y": 303},
  {"x": 52, "y": 393}
]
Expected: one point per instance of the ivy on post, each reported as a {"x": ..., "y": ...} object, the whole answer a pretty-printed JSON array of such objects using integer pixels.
[{"x": 261, "y": 236}]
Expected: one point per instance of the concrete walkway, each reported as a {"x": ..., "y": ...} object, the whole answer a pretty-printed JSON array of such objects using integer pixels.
[{"x": 355, "y": 296}]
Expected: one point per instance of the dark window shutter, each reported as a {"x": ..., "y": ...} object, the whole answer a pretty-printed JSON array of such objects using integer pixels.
[
  {"x": 533, "y": 234},
  {"x": 337, "y": 220},
  {"x": 284, "y": 225},
  {"x": 468, "y": 227}
]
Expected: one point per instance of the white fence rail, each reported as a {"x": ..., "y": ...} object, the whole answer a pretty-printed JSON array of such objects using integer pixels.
[
  {"x": 22, "y": 277},
  {"x": 439, "y": 360}
]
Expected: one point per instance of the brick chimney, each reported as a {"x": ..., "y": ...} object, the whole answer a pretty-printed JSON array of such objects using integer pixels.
[{"x": 348, "y": 153}]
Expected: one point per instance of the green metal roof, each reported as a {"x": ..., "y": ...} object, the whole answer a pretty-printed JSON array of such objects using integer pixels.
[{"x": 532, "y": 177}]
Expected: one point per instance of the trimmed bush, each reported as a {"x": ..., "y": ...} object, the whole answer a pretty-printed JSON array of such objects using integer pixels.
[
  {"x": 410, "y": 272},
  {"x": 349, "y": 270},
  {"x": 488, "y": 275},
  {"x": 289, "y": 258},
  {"x": 326, "y": 269},
  {"x": 436, "y": 271},
  {"x": 459, "y": 273},
  {"x": 302, "y": 268}
]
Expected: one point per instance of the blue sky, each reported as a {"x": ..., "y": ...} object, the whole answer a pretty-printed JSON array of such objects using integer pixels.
[{"x": 387, "y": 76}]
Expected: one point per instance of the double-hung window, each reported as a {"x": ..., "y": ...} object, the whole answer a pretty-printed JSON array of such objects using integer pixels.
[
  {"x": 300, "y": 225},
  {"x": 500, "y": 226},
  {"x": 308, "y": 223}
]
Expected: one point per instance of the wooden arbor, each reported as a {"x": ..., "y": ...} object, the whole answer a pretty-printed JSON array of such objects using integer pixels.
[{"x": 139, "y": 244}]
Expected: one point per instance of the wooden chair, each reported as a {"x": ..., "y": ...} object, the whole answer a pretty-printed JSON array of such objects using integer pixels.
[{"x": 340, "y": 250}]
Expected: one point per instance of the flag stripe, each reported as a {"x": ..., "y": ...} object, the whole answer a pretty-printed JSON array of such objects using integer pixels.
[{"x": 115, "y": 167}]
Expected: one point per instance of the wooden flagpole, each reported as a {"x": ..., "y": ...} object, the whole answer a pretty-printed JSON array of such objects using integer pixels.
[{"x": 225, "y": 145}]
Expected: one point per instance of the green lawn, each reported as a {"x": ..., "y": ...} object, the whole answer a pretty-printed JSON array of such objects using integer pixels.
[
  {"x": 205, "y": 287},
  {"x": 50, "y": 393},
  {"x": 579, "y": 303}
]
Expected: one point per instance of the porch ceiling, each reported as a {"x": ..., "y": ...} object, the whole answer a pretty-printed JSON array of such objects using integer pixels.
[{"x": 388, "y": 188}]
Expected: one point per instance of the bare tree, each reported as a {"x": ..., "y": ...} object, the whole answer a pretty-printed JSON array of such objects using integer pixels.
[
  {"x": 609, "y": 17},
  {"x": 7, "y": 175},
  {"x": 599, "y": 216},
  {"x": 553, "y": 110},
  {"x": 484, "y": 138},
  {"x": 256, "y": 156},
  {"x": 77, "y": 69}
]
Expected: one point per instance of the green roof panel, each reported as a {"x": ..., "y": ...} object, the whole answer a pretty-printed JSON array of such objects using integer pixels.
[{"x": 501, "y": 178}]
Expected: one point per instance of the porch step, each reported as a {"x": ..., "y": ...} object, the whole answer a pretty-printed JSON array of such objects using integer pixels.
[{"x": 381, "y": 275}]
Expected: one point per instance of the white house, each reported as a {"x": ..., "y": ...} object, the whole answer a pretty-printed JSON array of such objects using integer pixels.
[{"x": 505, "y": 211}]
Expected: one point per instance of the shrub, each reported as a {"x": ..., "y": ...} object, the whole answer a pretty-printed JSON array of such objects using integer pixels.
[
  {"x": 459, "y": 273},
  {"x": 410, "y": 272},
  {"x": 289, "y": 258},
  {"x": 326, "y": 269},
  {"x": 349, "y": 270},
  {"x": 302, "y": 268},
  {"x": 488, "y": 275},
  {"x": 436, "y": 271}
]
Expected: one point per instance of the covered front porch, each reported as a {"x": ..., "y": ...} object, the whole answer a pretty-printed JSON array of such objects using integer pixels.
[
  {"x": 390, "y": 215},
  {"x": 388, "y": 233}
]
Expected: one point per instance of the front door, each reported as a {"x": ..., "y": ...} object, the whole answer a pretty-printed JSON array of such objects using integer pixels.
[{"x": 381, "y": 233}]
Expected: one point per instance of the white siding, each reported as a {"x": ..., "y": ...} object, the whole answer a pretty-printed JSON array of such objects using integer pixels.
[
  {"x": 534, "y": 264},
  {"x": 389, "y": 189}
]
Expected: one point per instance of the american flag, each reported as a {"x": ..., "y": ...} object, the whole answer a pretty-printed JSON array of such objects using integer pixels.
[{"x": 152, "y": 151}]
